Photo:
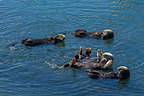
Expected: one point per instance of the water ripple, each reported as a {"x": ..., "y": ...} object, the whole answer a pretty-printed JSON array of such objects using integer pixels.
[{"x": 32, "y": 71}]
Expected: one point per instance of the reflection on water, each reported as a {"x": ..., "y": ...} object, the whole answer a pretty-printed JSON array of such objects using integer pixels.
[
  {"x": 61, "y": 44},
  {"x": 123, "y": 82},
  {"x": 110, "y": 41},
  {"x": 34, "y": 71}
]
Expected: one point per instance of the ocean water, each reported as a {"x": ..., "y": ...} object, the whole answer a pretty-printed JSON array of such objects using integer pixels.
[{"x": 34, "y": 71}]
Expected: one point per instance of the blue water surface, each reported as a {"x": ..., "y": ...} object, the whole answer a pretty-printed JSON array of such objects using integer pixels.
[{"x": 34, "y": 71}]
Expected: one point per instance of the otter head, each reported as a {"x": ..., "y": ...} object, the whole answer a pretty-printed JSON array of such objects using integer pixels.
[
  {"x": 80, "y": 33},
  {"x": 26, "y": 41},
  {"x": 88, "y": 51},
  {"x": 107, "y": 55},
  {"x": 72, "y": 62},
  {"x": 123, "y": 72},
  {"x": 107, "y": 34},
  {"x": 107, "y": 31},
  {"x": 60, "y": 37}
]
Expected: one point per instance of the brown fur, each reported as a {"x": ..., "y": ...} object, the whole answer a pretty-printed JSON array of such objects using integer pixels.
[
  {"x": 72, "y": 62},
  {"x": 96, "y": 35},
  {"x": 107, "y": 34},
  {"x": 88, "y": 52},
  {"x": 84, "y": 33},
  {"x": 80, "y": 33},
  {"x": 53, "y": 40},
  {"x": 123, "y": 73}
]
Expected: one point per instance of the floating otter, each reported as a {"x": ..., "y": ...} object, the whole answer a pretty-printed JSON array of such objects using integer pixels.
[
  {"x": 80, "y": 33},
  {"x": 84, "y": 33},
  {"x": 107, "y": 34},
  {"x": 79, "y": 57},
  {"x": 53, "y": 40},
  {"x": 123, "y": 73},
  {"x": 88, "y": 62}
]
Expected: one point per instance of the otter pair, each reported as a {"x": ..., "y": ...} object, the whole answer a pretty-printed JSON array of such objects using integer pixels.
[
  {"x": 107, "y": 34},
  {"x": 79, "y": 57},
  {"x": 101, "y": 62}
]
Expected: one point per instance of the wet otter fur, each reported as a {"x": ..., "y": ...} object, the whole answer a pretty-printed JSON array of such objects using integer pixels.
[
  {"x": 80, "y": 33},
  {"x": 88, "y": 62},
  {"x": 123, "y": 73},
  {"x": 53, "y": 40},
  {"x": 107, "y": 34},
  {"x": 84, "y": 33},
  {"x": 79, "y": 57},
  {"x": 87, "y": 52}
]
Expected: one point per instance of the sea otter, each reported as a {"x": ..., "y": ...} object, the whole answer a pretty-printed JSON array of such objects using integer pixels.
[
  {"x": 107, "y": 34},
  {"x": 84, "y": 33},
  {"x": 80, "y": 33},
  {"x": 88, "y": 62},
  {"x": 53, "y": 40},
  {"x": 123, "y": 73}
]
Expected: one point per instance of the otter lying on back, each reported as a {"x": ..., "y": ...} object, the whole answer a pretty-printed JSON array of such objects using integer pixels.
[
  {"x": 123, "y": 73},
  {"x": 107, "y": 34},
  {"x": 88, "y": 62},
  {"x": 53, "y": 40}
]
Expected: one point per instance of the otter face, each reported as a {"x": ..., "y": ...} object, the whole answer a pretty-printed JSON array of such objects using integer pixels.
[
  {"x": 26, "y": 41},
  {"x": 60, "y": 37},
  {"x": 107, "y": 34},
  {"x": 88, "y": 50},
  {"x": 123, "y": 72},
  {"x": 107, "y": 55},
  {"x": 80, "y": 33}
]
